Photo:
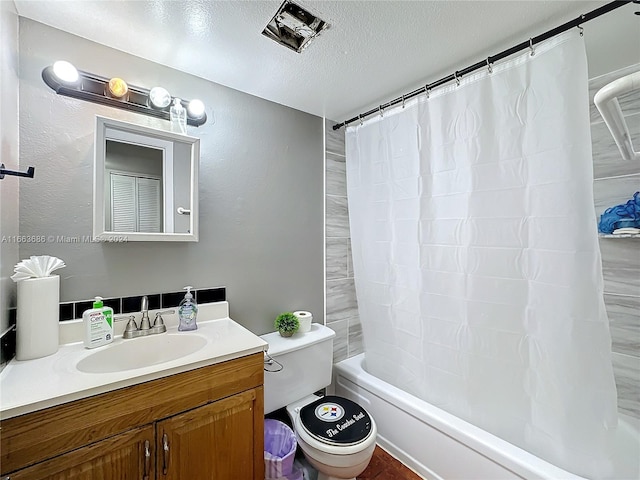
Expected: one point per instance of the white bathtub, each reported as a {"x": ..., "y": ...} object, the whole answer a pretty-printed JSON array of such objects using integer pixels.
[{"x": 438, "y": 445}]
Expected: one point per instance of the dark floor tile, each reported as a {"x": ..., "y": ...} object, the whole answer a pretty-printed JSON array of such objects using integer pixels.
[{"x": 384, "y": 467}]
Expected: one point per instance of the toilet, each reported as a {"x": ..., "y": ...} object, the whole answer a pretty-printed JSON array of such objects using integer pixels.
[{"x": 336, "y": 435}]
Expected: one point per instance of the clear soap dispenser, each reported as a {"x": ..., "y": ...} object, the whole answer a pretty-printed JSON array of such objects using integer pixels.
[
  {"x": 187, "y": 312},
  {"x": 178, "y": 116}
]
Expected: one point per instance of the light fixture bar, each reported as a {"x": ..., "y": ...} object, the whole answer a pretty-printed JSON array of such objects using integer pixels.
[{"x": 94, "y": 88}]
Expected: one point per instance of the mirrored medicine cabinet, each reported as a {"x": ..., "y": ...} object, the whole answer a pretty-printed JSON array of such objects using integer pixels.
[{"x": 145, "y": 183}]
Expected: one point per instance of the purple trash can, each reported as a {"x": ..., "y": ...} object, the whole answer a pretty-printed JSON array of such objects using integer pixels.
[{"x": 279, "y": 451}]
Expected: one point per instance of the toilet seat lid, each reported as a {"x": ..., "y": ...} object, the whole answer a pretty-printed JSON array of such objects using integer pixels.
[{"x": 336, "y": 421}]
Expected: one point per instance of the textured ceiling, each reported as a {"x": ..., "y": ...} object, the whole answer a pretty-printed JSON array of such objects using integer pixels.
[{"x": 372, "y": 52}]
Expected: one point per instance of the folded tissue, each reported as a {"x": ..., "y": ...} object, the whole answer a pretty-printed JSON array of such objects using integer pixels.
[
  {"x": 38, "y": 310},
  {"x": 626, "y": 215},
  {"x": 36, "y": 267}
]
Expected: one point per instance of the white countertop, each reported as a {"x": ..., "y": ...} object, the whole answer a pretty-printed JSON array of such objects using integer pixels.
[{"x": 30, "y": 385}]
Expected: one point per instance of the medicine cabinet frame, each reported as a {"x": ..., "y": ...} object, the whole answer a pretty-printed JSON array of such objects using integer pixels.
[{"x": 108, "y": 129}]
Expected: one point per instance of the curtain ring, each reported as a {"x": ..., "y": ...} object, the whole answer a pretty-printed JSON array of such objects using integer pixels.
[
  {"x": 360, "y": 117},
  {"x": 381, "y": 111},
  {"x": 457, "y": 78},
  {"x": 489, "y": 65},
  {"x": 533, "y": 51},
  {"x": 581, "y": 30},
  {"x": 402, "y": 101},
  {"x": 426, "y": 90}
]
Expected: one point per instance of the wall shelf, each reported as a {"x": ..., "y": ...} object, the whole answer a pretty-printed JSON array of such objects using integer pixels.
[{"x": 622, "y": 235}]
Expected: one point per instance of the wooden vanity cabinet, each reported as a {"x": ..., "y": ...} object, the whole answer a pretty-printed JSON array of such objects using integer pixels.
[{"x": 199, "y": 425}]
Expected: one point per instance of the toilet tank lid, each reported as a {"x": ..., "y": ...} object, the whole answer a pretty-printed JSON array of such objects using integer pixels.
[{"x": 279, "y": 345}]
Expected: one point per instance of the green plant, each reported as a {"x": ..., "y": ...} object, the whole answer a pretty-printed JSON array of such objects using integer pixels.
[{"x": 287, "y": 324}]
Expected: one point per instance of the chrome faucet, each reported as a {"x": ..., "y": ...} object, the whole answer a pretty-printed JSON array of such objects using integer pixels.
[
  {"x": 133, "y": 331},
  {"x": 144, "y": 321}
]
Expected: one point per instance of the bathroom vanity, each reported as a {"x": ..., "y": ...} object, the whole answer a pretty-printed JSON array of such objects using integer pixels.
[{"x": 199, "y": 419}]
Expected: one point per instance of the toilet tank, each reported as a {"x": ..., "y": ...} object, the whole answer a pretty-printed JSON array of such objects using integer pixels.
[{"x": 307, "y": 360}]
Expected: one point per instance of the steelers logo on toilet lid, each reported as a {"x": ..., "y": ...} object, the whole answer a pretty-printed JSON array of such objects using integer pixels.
[{"x": 336, "y": 420}]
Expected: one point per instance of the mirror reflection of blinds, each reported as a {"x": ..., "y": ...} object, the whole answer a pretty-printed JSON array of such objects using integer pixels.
[{"x": 135, "y": 204}]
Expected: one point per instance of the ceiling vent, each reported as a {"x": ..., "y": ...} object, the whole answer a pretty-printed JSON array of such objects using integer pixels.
[{"x": 294, "y": 26}]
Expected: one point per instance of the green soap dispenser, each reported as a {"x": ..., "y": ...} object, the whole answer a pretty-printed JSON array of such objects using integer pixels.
[
  {"x": 187, "y": 312},
  {"x": 98, "y": 324}
]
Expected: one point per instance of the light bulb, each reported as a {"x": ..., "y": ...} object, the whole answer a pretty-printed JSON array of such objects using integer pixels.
[
  {"x": 159, "y": 97},
  {"x": 118, "y": 87},
  {"x": 65, "y": 71},
  {"x": 195, "y": 109}
]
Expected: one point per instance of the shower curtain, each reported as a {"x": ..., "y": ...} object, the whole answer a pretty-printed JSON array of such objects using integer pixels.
[{"x": 476, "y": 259}]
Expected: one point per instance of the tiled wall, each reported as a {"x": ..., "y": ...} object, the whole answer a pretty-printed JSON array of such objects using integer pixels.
[
  {"x": 616, "y": 180},
  {"x": 123, "y": 305},
  {"x": 342, "y": 307}
]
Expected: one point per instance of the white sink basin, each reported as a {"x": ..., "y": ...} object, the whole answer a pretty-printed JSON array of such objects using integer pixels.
[{"x": 141, "y": 352}]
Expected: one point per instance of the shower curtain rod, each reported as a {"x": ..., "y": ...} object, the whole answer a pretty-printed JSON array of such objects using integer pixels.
[{"x": 492, "y": 59}]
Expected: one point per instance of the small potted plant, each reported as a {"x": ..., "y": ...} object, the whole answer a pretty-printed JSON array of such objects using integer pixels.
[{"x": 287, "y": 324}]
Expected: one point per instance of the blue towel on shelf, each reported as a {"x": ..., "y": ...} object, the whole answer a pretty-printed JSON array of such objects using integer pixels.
[{"x": 626, "y": 215}]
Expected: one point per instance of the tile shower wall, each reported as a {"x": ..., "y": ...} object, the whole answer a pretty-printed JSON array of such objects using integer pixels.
[
  {"x": 342, "y": 306},
  {"x": 616, "y": 180}
]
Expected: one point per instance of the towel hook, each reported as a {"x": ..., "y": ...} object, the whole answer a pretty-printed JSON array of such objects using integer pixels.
[{"x": 533, "y": 51}]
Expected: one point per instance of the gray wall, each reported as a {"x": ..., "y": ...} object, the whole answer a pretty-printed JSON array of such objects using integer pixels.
[
  {"x": 342, "y": 306},
  {"x": 10, "y": 186},
  {"x": 261, "y": 191},
  {"x": 616, "y": 180}
]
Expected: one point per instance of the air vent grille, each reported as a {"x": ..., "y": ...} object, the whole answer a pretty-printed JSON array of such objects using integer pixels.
[{"x": 294, "y": 26}]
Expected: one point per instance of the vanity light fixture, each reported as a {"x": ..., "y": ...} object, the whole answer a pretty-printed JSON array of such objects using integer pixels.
[
  {"x": 118, "y": 88},
  {"x": 65, "y": 72},
  {"x": 195, "y": 108},
  {"x": 159, "y": 97},
  {"x": 115, "y": 92}
]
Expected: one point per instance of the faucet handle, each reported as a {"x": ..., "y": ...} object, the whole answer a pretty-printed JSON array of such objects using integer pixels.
[
  {"x": 158, "y": 320},
  {"x": 131, "y": 324}
]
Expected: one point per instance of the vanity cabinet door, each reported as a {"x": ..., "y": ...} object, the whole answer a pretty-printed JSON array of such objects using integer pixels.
[
  {"x": 222, "y": 440},
  {"x": 128, "y": 456}
]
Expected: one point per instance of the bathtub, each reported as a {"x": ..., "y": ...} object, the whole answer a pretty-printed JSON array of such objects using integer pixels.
[{"x": 438, "y": 445}]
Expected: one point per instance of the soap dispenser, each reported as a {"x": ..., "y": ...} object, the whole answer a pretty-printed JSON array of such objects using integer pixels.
[
  {"x": 178, "y": 116},
  {"x": 187, "y": 312},
  {"x": 98, "y": 324}
]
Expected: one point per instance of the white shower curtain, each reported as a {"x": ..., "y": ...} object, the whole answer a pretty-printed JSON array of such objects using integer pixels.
[{"x": 476, "y": 259}]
